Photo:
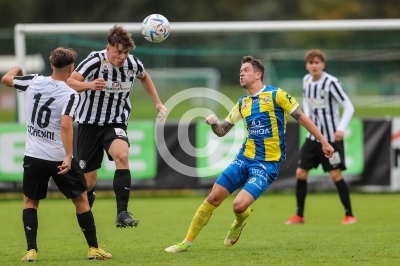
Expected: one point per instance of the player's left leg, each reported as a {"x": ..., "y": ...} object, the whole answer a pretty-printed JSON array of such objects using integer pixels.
[
  {"x": 260, "y": 176},
  {"x": 344, "y": 196},
  {"x": 241, "y": 209},
  {"x": 73, "y": 185},
  {"x": 335, "y": 165},
  {"x": 34, "y": 186},
  {"x": 201, "y": 217},
  {"x": 85, "y": 219},
  {"x": 118, "y": 150},
  {"x": 30, "y": 221}
]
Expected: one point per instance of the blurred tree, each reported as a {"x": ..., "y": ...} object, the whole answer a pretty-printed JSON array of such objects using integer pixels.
[
  {"x": 89, "y": 11},
  {"x": 12, "y": 12},
  {"x": 333, "y": 9}
]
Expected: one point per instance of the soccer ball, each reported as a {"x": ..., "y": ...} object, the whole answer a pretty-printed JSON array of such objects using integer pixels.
[{"x": 155, "y": 28}]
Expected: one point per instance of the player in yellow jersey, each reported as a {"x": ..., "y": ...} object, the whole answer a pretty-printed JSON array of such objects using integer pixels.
[{"x": 257, "y": 163}]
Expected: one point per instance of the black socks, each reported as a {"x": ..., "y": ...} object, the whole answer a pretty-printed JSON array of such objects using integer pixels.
[
  {"x": 344, "y": 195},
  {"x": 30, "y": 221},
  {"x": 86, "y": 223},
  {"x": 301, "y": 193},
  {"x": 122, "y": 188}
]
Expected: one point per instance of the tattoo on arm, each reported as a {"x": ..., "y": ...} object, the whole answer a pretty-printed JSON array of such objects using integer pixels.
[
  {"x": 221, "y": 129},
  {"x": 297, "y": 113}
]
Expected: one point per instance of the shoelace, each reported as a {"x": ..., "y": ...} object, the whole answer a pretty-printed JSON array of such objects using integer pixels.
[{"x": 127, "y": 214}]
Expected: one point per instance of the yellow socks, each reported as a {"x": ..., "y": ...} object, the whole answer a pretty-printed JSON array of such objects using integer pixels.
[
  {"x": 241, "y": 218},
  {"x": 200, "y": 219}
]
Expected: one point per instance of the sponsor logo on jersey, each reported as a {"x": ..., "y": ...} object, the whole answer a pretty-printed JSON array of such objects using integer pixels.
[
  {"x": 316, "y": 103},
  {"x": 117, "y": 86},
  {"x": 257, "y": 128}
]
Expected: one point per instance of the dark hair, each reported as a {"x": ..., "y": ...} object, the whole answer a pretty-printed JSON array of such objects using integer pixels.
[
  {"x": 62, "y": 57},
  {"x": 255, "y": 63},
  {"x": 117, "y": 35},
  {"x": 314, "y": 53}
]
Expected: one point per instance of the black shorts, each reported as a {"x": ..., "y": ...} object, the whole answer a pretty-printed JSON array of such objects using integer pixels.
[
  {"x": 311, "y": 155},
  {"x": 93, "y": 139},
  {"x": 37, "y": 173}
]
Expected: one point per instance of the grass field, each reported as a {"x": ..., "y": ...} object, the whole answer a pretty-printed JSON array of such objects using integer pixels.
[{"x": 323, "y": 240}]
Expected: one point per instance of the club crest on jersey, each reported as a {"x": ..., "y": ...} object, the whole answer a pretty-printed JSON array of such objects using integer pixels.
[
  {"x": 322, "y": 92},
  {"x": 82, "y": 164},
  {"x": 105, "y": 64},
  {"x": 266, "y": 99},
  {"x": 130, "y": 73}
]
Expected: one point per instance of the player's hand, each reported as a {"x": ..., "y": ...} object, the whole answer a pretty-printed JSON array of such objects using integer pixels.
[
  {"x": 65, "y": 166},
  {"x": 339, "y": 135},
  {"x": 20, "y": 72},
  {"x": 211, "y": 119},
  {"x": 162, "y": 111},
  {"x": 98, "y": 84},
  {"x": 328, "y": 150}
]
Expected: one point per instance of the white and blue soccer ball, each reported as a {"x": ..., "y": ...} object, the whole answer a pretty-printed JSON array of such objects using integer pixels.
[{"x": 155, "y": 28}]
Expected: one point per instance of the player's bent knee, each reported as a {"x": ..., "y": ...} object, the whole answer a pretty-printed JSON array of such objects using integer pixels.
[
  {"x": 122, "y": 160},
  {"x": 301, "y": 174},
  {"x": 239, "y": 207}
]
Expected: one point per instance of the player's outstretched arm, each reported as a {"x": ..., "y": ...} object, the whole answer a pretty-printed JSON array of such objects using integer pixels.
[
  {"x": 220, "y": 129},
  {"x": 148, "y": 86},
  {"x": 8, "y": 78},
  {"x": 312, "y": 128}
]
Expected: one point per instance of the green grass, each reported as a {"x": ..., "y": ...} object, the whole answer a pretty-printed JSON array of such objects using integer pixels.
[{"x": 323, "y": 240}]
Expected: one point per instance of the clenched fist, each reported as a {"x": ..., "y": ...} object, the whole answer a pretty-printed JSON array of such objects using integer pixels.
[{"x": 211, "y": 119}]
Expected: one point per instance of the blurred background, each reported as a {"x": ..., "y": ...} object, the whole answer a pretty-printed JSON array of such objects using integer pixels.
[{"x": 366, "y": 60}]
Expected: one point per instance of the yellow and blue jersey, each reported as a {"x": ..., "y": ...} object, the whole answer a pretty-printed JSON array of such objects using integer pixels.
[{"x": 265, "y": 115}]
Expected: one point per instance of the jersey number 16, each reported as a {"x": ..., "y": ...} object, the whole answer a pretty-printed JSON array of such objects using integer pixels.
[{"x": 43, "y": 111}]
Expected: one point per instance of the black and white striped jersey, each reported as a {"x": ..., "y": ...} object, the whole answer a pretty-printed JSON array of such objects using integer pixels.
[
  {"x": 46, "y": 101},
  {"x": 321, "y": 100},
  {"x": 112, "y": 104}
]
